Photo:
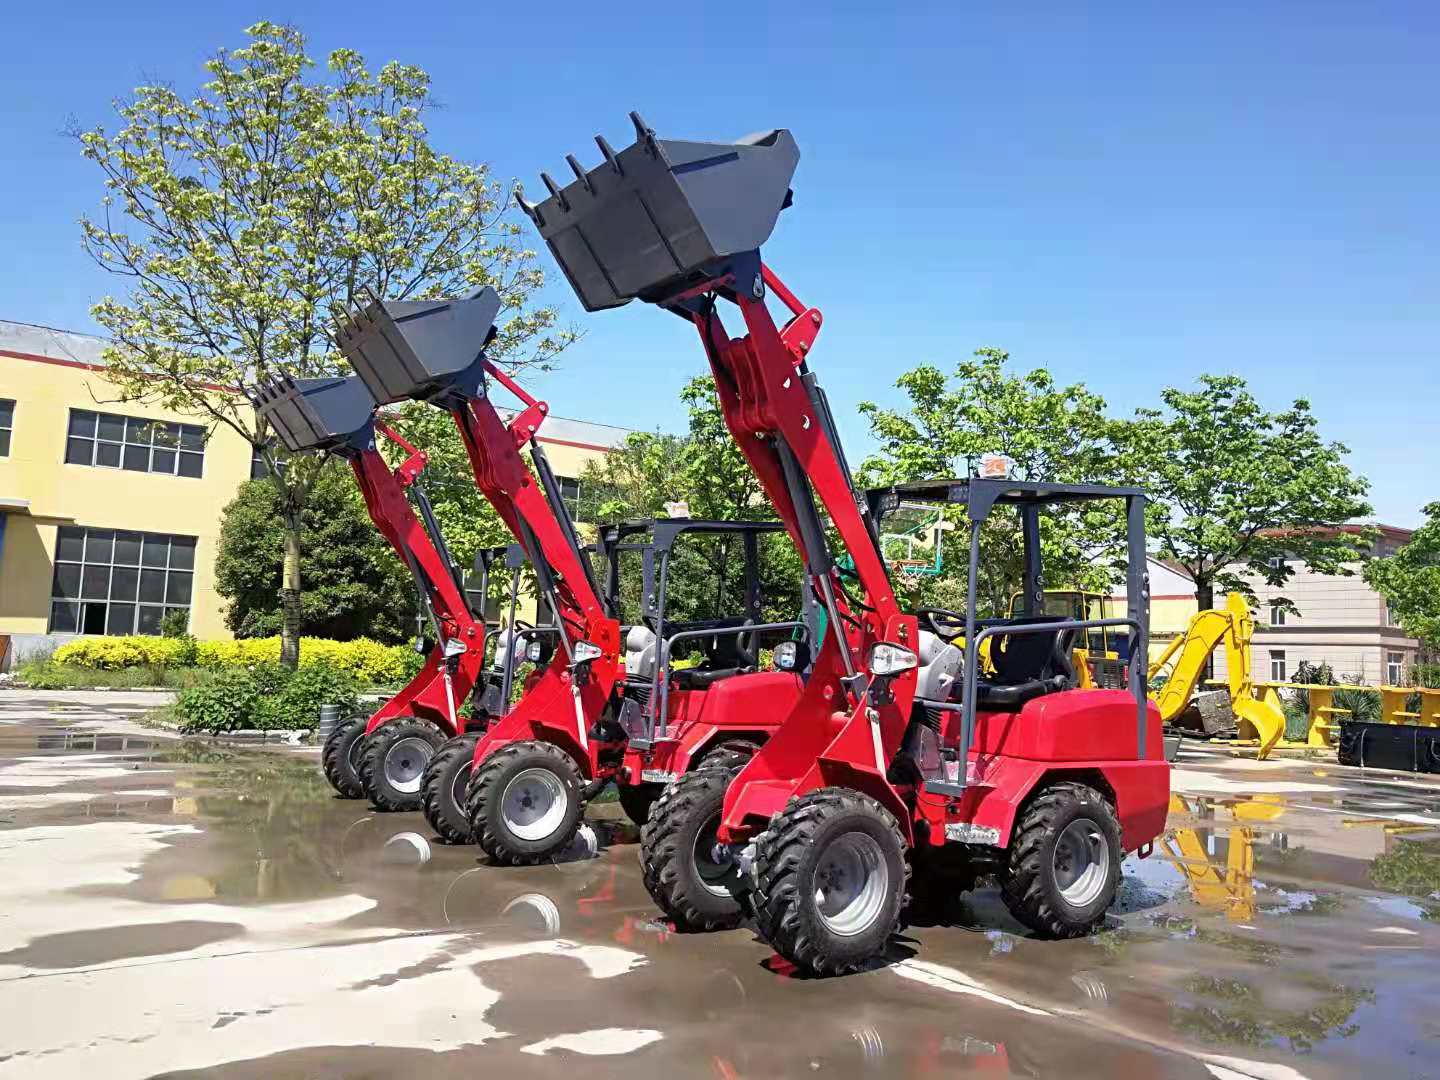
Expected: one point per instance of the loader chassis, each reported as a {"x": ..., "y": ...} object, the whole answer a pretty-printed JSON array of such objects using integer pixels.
[
  {"x": 819, "y": 827},
  {"x": 337, "y": 415}
]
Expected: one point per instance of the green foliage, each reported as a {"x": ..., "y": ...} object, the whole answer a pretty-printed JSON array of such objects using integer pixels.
[
  {"x": 52, "y": 675},
  {"x": 1233, "y": 486},
  {"x": 367, "y": 661},
  {"x": 1051, "y": 432},
  {"x": 705, "y": 470},
  {"x": 266, "y": 697},
  {"x": 237, "y": 217},
  {"x": 1426, "y": 675},
  {"x": 1412, "y": 868},
  {"x": 175, "y": 624},
  {"x": 1409, "y": 581},
  {"x": 355, "y": 584},
  {"x": 1364, "y": 705}
]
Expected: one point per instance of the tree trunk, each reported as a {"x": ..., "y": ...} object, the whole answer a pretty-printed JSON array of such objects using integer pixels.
[
  {"x": 290, "y": 594},
  {"x": 1204, "y": 595}
]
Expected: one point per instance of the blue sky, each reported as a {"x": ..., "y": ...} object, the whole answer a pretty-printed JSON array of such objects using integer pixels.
[{"x": 1129, "y": 199}]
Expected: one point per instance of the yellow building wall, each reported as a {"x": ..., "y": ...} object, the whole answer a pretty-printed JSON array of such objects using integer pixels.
[{"x": 35, "y": 471}]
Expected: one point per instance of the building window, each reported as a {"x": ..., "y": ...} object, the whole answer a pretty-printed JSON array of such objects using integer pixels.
[
  {"x": 110, "y": 581},
  {"x": 1278, "y": 670},
  {"x": 128, "y": 442},
  {"x": 7, "y": 425},
  {"x": 1389, "y": 614},
  {"x": 1277, "y": 562},
  {"x": 1394, "y": 668},
  {"x": 570, "y": 496},
  {"x": 1277, "y": 615}
]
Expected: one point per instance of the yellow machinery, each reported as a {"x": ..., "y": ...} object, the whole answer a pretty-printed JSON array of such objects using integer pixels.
[
  {"x": 1099, "y": 660},
  {"x": 1256, "y": 707},
  {"x": 1230, "y": 888}
]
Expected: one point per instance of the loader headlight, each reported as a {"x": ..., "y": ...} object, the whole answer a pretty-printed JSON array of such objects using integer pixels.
[
  {"x": 534, "y": 650},
  {"x": 791, "y": 655},
  {"x": 886, "y": 658},
  {"x": 585, "y": 651}
]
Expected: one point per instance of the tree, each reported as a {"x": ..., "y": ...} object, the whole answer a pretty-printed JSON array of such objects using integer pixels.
[
  {"x": 240, "y": 215},
  {"x": 705, "y": 470},
  {"x": 355, "y": 584},
  {"x": 1237, "y": 492},
  {"x": 1054, "y": 433},
  {"x": 1409, "y": 580}
]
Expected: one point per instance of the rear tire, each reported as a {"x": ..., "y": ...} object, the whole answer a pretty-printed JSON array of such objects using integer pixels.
[
  {"x": 831, "y": 878},
  {"x": 340, "y": 759},
  {"x": 443, "y": 789},
  {"x": 694, "y": 890},
  {"x": 637, "y": 799},
  {"x": 523, "y": 803},
  {"x": 1063, "y": 864},
  {"x": 393, "y": 765}
]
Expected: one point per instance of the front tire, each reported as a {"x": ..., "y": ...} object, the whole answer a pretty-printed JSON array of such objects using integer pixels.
[
  {"x": 831, "y": 879},
  {"x": 443, "y": 789},
  {"x": 340, "y": 759},
  {"x": 678, "y": 850},
  {"x": 393, "y": 765},
  {"x": 523, "y": 803},
  {"x": 1063, "y": 864}
]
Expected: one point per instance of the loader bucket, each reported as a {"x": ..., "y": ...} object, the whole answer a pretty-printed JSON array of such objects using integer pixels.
[
  {"x": 417, "y": 348},
  {"x": 314, "y": 414},
  {"x": 655, "y": 215}
]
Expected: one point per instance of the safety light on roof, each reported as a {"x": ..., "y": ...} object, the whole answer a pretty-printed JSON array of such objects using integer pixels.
[
  {"x": 678, "y": 509},
  {"x": 997, "y": 467}
]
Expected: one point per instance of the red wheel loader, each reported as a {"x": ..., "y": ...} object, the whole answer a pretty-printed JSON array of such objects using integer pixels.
[
  {"x": 1018, "y": 774},
  {"x": 384, "y": 756}
]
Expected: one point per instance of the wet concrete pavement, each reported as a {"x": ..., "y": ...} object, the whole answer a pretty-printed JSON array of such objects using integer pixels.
[{"x": 177, "y": 908}]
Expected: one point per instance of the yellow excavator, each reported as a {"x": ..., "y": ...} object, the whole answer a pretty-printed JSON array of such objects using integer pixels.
[
  {"x": 1257, "y": 708},
  {"x": 1230, "y": 888}
]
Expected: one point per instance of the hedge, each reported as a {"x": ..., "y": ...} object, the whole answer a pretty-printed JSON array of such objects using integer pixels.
[
  {"x": 366, "y": 660},
  {"x": 267, "y": 697}
]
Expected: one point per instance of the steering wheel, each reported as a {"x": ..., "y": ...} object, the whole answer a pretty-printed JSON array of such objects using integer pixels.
[{"x": 943, "y": 622}]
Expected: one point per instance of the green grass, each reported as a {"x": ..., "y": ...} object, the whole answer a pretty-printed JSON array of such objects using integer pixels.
[{"x": 49, "y": 675}]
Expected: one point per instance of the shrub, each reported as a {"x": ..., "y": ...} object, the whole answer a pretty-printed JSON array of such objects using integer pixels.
[
  {"x": 267, "y": 697},
  {"x": 368, "y": 661}
]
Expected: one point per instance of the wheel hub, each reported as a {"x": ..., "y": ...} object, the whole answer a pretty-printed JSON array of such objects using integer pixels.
[
  {"x": 1081, "y": 862},
  {"x": 534, "y": 803},
  {"x": 405, "y": 763},
  {"x": 714, "y": 860},
  {"x": 851, "y": 882}
]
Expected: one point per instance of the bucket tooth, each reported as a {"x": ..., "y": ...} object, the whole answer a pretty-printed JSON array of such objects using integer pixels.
[
  {"x": 419, "y": 348},
  {"x": 662, "y": 214},
  {"x": 315, "y": 414}
]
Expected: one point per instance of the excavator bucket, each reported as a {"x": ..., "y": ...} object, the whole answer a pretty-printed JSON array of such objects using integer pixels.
[
  {"x": 652, "y": 216},
  {"x": 314, "y": 414},
  {"x": 416, "y": 348}
]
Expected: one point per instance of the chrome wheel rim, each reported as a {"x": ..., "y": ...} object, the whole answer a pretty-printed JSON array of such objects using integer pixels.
[
  {"x": 1081, "y": 862},
  {"x": 355, "y": 753},
  {"x": 714, "y": 865},
  {"x": 852, "y": 880},
  {"x": 405, "y": 763},
  {"x": 534, "y": 804},
  {"x": 460, "y": 783}
]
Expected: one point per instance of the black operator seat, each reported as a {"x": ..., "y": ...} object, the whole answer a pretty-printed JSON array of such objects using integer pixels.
[
  {"x": 1027, "y": 666},
  {"x": 724, "y": 656}
]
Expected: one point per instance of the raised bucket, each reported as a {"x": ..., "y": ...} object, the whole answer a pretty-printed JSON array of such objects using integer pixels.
[
  {"x": 314, "y": 414},
  {"x": 417, "y": 348},
  {"x": 657, "y": 213}
]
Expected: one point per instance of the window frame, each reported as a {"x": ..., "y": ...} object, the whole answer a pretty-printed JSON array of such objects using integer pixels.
[
  {"x": 137, "y": 435},
  {"x": 1394, "y": 667},
  {"x": 1277, "y": 615},
  {"x": 1279, "y": 662},
  {"x": 7, "y": 425},
  {"x": 110, "y": 587}
]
